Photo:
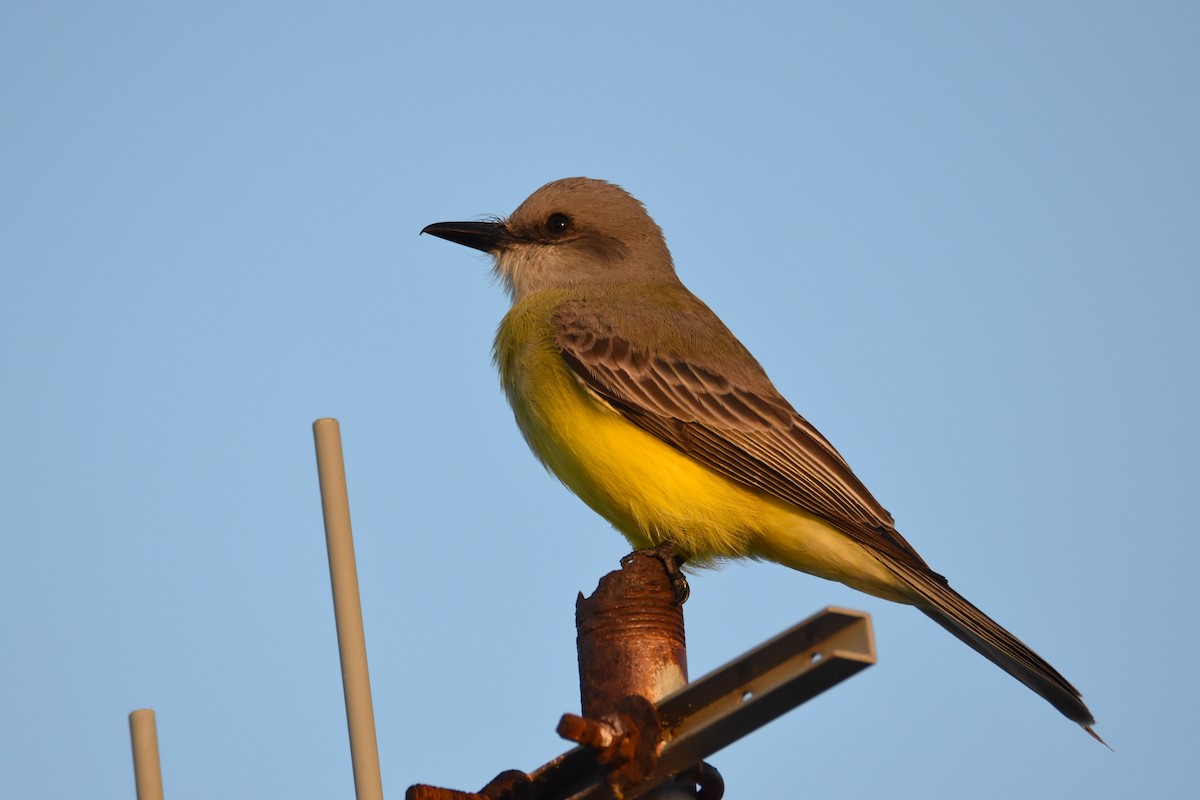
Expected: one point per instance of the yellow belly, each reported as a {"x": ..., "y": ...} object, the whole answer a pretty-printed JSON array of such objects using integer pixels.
[{"x": 651, "y": 491}]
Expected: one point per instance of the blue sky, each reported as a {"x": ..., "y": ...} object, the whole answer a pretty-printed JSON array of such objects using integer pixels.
[{"x": 962, "y": 240}]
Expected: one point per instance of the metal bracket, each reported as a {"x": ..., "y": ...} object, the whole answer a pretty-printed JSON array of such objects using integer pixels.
[{"x": 728, "y": 703}]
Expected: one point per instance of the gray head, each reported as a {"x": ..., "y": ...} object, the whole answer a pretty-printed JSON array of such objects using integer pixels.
[{"x": 570, "y": 232}]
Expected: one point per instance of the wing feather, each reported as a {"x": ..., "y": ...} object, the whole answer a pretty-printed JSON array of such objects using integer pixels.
[{"x": 736, "y": 424}]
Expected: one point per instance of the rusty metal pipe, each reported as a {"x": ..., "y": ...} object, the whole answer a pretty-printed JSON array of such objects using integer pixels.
[{"x": 630, "y": 637}]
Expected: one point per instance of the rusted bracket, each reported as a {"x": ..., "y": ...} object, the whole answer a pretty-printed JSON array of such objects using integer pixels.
[
  {"x": 644, "y": 727},
  {"x": 725, "y": 705}
]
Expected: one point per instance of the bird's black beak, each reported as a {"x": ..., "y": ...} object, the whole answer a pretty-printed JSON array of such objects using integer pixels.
[{"x": 486, "y": 236}]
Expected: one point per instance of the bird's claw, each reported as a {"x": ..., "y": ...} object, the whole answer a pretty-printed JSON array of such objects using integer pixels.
[{"x": 673, "y": 563}]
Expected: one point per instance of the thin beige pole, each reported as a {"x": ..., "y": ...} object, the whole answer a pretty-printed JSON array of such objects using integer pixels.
[
  {"x": 147, "y": 772},
  {"x": 347, "y": 610}
]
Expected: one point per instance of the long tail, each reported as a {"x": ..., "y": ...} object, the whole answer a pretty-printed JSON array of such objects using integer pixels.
[{"x": 953, "y": 612}]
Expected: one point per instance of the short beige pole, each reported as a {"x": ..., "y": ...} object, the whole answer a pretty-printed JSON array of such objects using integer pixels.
[
  {"x": 147, "y": 772},
  {"x": 347, "y": 610}
]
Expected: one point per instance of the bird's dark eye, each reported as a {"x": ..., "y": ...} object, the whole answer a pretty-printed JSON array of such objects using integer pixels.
[{"x": 557, "y": 224}]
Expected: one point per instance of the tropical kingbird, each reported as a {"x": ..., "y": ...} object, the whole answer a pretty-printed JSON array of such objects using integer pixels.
[{"x": 638, "y": 398}]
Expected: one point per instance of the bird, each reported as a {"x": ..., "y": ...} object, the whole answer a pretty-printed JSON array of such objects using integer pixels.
[{"x": 636, "y": 396}]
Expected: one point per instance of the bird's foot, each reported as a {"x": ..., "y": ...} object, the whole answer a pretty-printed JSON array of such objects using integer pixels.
[{"x": 672, "y": 562}]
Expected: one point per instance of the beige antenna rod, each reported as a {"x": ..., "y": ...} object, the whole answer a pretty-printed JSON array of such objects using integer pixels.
[
  {"x": 147, "y": 772},
  {"x": 347, "y": 610}
]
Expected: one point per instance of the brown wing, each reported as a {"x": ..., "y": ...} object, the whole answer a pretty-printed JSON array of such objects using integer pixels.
[{"x": 729, "y": 418}]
